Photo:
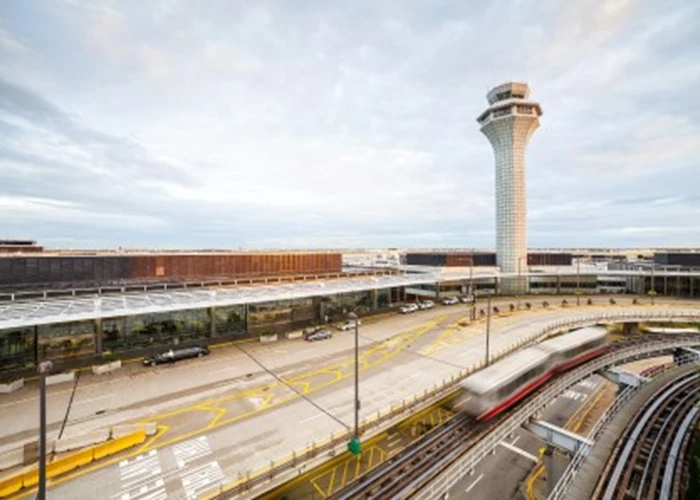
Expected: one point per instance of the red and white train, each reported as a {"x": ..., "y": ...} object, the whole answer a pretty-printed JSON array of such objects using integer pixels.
[{"x": 499, "y": 386}]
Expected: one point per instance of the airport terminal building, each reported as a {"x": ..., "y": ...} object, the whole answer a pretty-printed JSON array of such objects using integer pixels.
[{"x": 134, "y": 305}]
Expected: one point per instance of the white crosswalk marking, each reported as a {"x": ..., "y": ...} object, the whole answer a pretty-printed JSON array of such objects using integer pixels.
[
  {"x": 191, "y": 450},
  {"x": 576, "y": 396},
  {"x": 140, "y": 479},
  {"x": 199, "y": 480}
]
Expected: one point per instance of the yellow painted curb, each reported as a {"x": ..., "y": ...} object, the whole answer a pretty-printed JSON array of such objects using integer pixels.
[{"x": 29, "y": 478}]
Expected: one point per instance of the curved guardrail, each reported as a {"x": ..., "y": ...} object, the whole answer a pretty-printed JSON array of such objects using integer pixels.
[
  {"x": 468, "y": 461},
  {"x": 250, "y": 480}
]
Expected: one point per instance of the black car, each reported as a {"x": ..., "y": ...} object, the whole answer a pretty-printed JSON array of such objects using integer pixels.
[{"x": 176, "y": 355}]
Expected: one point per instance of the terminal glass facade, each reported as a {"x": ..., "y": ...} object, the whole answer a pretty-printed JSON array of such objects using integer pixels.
[
  {"x": 17, "y": 348},
  {"x": 66, "y": 340},
  {"x": 279, "y": 315},
  {"x": 230, "y": 320},
  {"x": 149, "y": 330}
]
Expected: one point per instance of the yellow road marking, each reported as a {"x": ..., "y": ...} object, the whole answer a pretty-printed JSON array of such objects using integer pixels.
[
  {"x": 531, "y": 482},
  {"x": 161, "y": 429},
  {"x": 400, "y": 341},
  {"x": 221, "y": 413}
]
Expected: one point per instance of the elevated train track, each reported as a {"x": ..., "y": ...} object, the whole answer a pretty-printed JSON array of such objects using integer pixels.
[
  {"x": 646, "y": 466},
  {"x": 429, "y": 467}
]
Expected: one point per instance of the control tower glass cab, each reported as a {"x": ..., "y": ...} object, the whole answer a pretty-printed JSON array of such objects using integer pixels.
[{"x": 508, "y": 123}]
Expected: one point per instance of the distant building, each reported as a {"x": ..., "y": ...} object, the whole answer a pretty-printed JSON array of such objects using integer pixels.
[
  {"x": 683, "y": 259},
  {"x": 110, "y": 268},
  {"x": 508, "y": 123},
  {"x": 483, "y": 259},
  {"x": 19, "y": 246}
]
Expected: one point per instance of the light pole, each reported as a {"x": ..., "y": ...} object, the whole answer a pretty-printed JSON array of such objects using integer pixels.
[
  {"x": 520, "y": 280},
  {"x": 488, "y": 327},
  {"x": 354, "y": 445},
  {"x": 44, "y": 368},
  {"x": 578, "y": 281}
]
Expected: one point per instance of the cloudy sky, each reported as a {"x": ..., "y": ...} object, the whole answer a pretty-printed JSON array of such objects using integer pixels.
[{"x": 325, "y": 123}]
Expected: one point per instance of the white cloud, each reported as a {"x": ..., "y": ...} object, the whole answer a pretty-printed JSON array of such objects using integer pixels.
[{"x": 343, "y": 124}]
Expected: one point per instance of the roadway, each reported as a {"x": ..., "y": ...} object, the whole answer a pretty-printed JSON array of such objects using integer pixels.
[
  {"x": 229, "y": 417},
  {"x": 502, "y": 474}
]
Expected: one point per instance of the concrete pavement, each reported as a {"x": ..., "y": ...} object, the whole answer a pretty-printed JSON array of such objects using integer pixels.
[
  {"x": 501, "y": 475},
  {"x": 248, "y": 421}
]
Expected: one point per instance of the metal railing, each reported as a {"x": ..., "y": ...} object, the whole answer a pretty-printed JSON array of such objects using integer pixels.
[
  {"x": 579, "y": 458},
  {"x": 467, "y": 462},
  {"x": 443, "y": 389}
]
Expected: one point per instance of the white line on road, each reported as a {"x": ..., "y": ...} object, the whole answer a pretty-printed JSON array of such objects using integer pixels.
[
  {"x": 515, "y": 440},
  {"x": 519, "y": 451},
  {"x": 81, "y": 402},
  {"x": 469, "y": 488},
  {"x": 311, "y": 418}
]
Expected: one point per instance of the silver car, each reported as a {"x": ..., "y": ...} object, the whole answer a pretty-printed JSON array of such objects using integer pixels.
[{"x": 318, "y": 335}]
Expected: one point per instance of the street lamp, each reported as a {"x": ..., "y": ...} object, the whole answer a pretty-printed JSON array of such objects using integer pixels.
[
  {"x": 488, "y": 327},
  {"x": 354, "y": 445},
  {"x": 578, "y": 281},
  {"x": 520, "y": 280},
  {"x": 44, "y": 368}
]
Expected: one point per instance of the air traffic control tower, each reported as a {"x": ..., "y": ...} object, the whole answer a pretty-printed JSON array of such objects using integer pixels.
[{"x": 508, "y": 123}]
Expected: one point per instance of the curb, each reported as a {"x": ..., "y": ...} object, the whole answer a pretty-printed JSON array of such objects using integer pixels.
[{"x": 30, "y": 477}]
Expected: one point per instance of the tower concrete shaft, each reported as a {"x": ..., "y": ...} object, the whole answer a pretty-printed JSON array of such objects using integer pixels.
[{"x": 508, "y": 123}]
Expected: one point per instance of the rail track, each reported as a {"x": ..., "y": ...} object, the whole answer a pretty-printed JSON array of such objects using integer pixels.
[
  {"x": 416, "y": 466},
  {"x": 401, "y": 474},
  {"x": 646, "y": 464}
]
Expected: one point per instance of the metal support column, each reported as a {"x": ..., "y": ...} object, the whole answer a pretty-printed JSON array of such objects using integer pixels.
[
  {"x": 97, "y": 327},
  {"x": 44, "y": 369},
  {"x": 488, "y": 327},
  {"x": 211, "y": 314}
]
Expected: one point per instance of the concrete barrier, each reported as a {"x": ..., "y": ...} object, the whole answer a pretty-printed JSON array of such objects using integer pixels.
[
  {"x": 106, "y": 368},
  {"x": 10, "y": 485},
  {"x": 294, "y": 335},
  {"x": 116, "y": 445},
  {"x": 69, "y": 463},
  {"x": 81, "y": 440},
  {"x": 12, "y": 458},
  {"x": 265, "y": 339},
  {"x": 13, "y": 386},
  {"x": 119, "y": 431},
  {"x": 60, "y": 378},
  {"x": 30, "y": 477}
]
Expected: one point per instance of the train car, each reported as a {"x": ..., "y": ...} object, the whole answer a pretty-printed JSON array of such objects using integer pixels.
[
  {"x": 575, "y": 347},
  {"x": 499, "y": 386}
]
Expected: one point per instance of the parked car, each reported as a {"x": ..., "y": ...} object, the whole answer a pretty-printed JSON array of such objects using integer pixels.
[
  {"x": 174, "y": 355},
  {"x": 450, "y": 301},
  {"x": 318, "y": 335},
  {"x": 466, "y": 299},
  {"x": 408, "y": 308},
  {"x": 427, "y": 304},
  {"x": 348, "y": 325}
]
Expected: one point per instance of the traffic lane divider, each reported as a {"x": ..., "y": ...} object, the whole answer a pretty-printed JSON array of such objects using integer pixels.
[{"x": 29, "y": 478}]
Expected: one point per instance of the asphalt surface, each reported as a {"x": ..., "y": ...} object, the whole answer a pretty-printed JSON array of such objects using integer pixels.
[
  {"x": 502, "y": 474},
  {"x": 225, "y": 416}
]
